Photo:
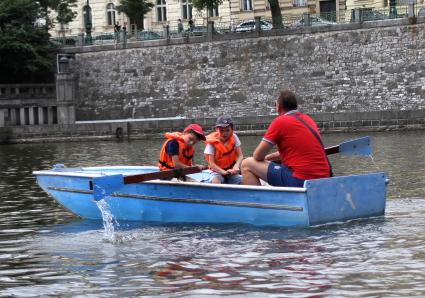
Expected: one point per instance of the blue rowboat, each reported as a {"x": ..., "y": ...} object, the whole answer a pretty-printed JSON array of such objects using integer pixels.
[{"x": 172, "y": 201}]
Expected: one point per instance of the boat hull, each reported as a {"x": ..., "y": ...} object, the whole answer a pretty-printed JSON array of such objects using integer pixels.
[{"x": 319, "y": 201}]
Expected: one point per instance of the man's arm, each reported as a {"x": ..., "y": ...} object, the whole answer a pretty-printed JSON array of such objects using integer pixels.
[
  {"x": 261, "y": 151},
  {"x": 275, "y": 156}
]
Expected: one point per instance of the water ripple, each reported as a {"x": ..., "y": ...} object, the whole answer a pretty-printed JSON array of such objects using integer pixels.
[{"x": 46, "y": 251}]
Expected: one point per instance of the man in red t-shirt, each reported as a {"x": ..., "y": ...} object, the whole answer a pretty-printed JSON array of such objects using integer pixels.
[{"x": 300, "y": 149}]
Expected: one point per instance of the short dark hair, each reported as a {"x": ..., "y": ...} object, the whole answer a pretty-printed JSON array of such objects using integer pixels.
[{"x": 287, "y": 100}]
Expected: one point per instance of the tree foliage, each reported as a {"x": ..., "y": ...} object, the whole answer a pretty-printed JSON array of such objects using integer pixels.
[
  {"x": 206, "y": 4},
  {"x": 65, "y": 11},
  {"x": 135, "y": 10},
  {"x": 25, "y": 51}
]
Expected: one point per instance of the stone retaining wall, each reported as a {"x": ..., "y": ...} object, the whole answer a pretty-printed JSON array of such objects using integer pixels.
[
  {"x": 351, "y": 77},
  {"x": 327, "y": 122},
  {"x": 352, "y": 68}
]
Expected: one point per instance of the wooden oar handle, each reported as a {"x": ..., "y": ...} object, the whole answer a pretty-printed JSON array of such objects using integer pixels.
[{"x": 168, "y": 174}]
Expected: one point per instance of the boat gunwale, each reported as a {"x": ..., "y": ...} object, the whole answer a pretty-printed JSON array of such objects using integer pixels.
[{"x": 179, "y": 183}]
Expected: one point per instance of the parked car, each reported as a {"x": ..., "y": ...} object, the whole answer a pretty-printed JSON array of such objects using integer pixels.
[
  {"x": 369, "y": 14},
  {"x": 148, "y": 35},
  {"x": 421, "y": 12},
  {"x": 315, "y": 22},
  {"x": 249, "y": 26},
  {"x": 373, "y": 15},
  {"x": 199, "y": 31},
  {"x": 104, "y": 36}
]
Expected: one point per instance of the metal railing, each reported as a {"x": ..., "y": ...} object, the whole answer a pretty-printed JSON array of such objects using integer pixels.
[{"x": 222, "y": 27}]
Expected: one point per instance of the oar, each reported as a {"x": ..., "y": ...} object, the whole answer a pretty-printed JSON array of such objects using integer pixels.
[
  {"x": 359, "y": 146},
  {"x": 106, "y": 185},
  {"x": 168, "y": 174}
]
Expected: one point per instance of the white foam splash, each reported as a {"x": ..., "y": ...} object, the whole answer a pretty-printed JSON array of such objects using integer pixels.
[{"x": 109, "y": 222}]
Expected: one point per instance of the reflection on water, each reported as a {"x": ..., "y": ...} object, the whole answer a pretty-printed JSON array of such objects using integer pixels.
[{"x": 44, "y": 250}]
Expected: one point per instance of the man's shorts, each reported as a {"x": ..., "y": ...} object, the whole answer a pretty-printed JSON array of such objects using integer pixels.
[
  {"x": 280, "y": 175},
  {"x": 228, "y": 179}
]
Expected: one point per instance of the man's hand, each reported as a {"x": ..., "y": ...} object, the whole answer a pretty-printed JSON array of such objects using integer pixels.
[{"x": 272, "y": 156}]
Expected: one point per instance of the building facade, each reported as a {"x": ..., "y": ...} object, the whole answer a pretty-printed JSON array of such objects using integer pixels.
[
  {"x": 229, "y": 14},
  {"x": 167, "y": 12}
]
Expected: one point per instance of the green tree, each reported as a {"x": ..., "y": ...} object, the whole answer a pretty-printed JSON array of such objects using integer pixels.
[
  {"x": 25, "y": 51},
  {"x": 276, "y": 13},
  {"x": 64, "y": 9},
  {"x": 65, "y": 13},
  {"x": 135, "y": 10},
  {"x": 208, "y": 5}
]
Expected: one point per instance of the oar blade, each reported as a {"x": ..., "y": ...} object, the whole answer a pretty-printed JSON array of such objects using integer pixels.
[
  {"x": 359, "y": 146},
  {"x": 106, "y": 185}
]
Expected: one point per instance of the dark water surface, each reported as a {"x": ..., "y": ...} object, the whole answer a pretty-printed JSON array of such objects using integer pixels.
[{"x": 46, "y": 251}]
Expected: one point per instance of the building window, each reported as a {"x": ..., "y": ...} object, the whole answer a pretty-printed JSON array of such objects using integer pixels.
[
  {"x": 161, "y": 10},
  {"x": 246, "y": 4},
  {"x": 213, "y": 12},
  {"x": 297, "y": 3},
  {"x": 186, "y": 9},
  {"x": 110, "y": 14}
]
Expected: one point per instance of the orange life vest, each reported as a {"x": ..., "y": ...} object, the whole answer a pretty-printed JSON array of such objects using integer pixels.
[
  {"x": 185, "y": 153},
  {"x": 224, "y": 155}
]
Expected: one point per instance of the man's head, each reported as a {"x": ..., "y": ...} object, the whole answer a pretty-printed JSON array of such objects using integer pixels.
[
  {"x": 224, "y": 126},
  {"x": 286, "y": 101},
  {"x": 192, "y": 134}
]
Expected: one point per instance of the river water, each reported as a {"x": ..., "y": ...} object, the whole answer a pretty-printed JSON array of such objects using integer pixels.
[{"x": 46, "y": 251}]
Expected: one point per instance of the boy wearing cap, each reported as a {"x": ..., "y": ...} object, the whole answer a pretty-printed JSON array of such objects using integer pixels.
[
  {"x": 177, "y": 151},
  {"x": 223, "y": 153}
]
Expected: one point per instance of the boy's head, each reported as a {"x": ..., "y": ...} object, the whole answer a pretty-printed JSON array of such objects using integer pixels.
[
  {"x": 224, "y": 126},
  {"x": 192, "y": 134}
]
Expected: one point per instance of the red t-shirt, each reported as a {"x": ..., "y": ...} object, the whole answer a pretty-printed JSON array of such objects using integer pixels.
[{"x": 299, "y": 149}]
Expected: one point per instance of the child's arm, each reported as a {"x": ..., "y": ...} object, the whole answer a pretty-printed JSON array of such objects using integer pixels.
[
  {"x": 177, "y": 163},
  {"x": 239, "y": 157},
  {"x": 215, "y": 167}
]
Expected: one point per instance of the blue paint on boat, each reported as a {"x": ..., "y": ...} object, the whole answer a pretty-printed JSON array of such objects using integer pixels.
[{"x": 319, "y": 201}]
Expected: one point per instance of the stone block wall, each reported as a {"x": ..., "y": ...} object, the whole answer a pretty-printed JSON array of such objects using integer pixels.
[
  {"x": 350, "y": 69},
  {"x": 148, "y": 129}
]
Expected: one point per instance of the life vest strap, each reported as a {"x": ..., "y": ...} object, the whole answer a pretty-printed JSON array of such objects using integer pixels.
[
  {"x": 231, "y": 166},
  {"x": 164, "y": 164},
  {"x": 187, "y": 157},
  {"x": 229, "y": 152}
]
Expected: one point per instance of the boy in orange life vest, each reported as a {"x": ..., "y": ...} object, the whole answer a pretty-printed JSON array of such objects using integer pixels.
[
  {"x": 223, "y": 153},
  {"x": 177, "y": 151}
]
